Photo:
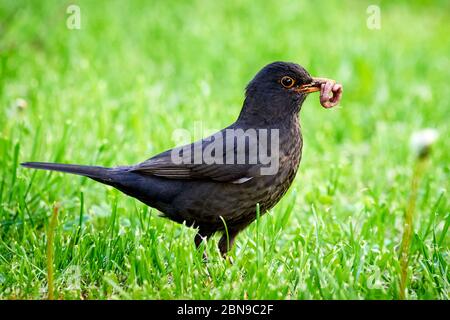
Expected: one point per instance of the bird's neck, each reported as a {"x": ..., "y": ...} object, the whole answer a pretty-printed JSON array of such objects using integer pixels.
[{"x": 259, "y": 112}]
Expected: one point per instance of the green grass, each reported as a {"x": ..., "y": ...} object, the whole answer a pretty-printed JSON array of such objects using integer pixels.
[{"x": 113, "y": 92}]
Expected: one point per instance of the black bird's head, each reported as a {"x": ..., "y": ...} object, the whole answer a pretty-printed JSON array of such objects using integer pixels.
[{"x": 278, "y": 91}]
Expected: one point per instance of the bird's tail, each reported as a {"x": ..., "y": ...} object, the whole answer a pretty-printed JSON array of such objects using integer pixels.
[{"x": 98, "y": 173}]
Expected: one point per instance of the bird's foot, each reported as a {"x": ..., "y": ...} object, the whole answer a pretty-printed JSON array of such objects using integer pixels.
[{"x": 228, "y": 259}]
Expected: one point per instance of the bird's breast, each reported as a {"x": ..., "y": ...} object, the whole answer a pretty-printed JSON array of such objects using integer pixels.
[{"x": 271, "y": 188}]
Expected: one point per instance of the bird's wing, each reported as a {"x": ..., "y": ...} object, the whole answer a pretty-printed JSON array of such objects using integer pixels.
[{"x": 183, "y": 163}]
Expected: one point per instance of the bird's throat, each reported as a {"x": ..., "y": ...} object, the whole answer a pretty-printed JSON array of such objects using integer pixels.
[{"x": 262, "y": 112}]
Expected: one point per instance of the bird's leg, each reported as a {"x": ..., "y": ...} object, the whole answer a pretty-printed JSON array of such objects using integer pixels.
[
  {"x": 199, "y": 238},
  {"x": 226, "y": 242}
]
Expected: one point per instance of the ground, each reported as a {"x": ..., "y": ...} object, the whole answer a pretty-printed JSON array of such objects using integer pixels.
[{"x": 114, "y": 91}]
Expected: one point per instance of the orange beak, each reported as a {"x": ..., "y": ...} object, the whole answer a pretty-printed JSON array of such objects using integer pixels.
[{"x": 314, "y": 86}]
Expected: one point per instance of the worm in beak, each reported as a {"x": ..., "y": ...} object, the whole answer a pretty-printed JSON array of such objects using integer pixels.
[{"x": 330, "y": 91}]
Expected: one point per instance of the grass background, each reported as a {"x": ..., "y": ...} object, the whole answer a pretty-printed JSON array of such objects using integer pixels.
[{"x": 113, "y": 92}]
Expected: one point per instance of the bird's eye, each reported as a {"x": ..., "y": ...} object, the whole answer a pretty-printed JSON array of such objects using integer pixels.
[{"x": 287, "y": 82}]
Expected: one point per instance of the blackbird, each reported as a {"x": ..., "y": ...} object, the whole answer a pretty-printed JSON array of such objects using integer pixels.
[{"x": 222, "y": 195}]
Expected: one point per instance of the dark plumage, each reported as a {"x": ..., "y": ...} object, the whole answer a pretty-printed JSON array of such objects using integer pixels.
[{"x": 201, "y": 193}]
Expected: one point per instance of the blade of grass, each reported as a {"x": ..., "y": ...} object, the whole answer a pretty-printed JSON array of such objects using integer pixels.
[{"x": 50, "y": 251}]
